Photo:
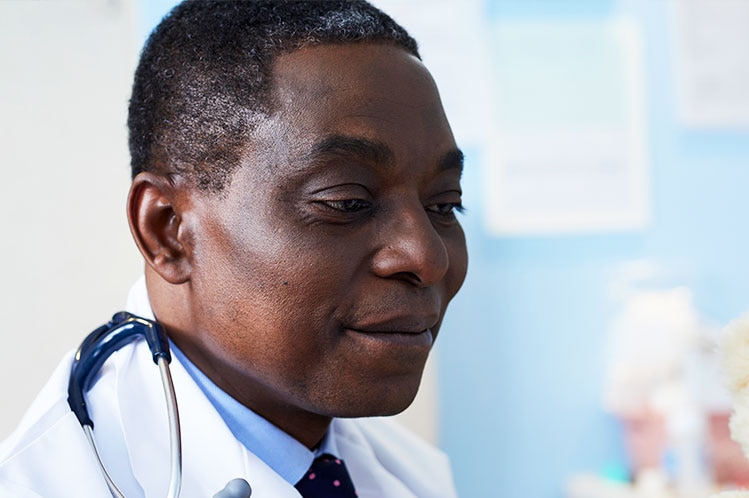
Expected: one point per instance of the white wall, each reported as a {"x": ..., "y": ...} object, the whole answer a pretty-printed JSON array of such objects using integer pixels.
[{"x": 66, "y": 251}]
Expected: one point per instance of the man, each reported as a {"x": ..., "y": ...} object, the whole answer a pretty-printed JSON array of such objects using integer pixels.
[{"x": 295, "y": 183}]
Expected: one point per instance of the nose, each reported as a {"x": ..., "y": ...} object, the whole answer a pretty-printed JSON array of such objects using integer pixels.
[{"x": 412, "y": 249}]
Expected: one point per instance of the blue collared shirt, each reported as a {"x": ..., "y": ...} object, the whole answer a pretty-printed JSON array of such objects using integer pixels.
[{"x": 285, "y": 455}]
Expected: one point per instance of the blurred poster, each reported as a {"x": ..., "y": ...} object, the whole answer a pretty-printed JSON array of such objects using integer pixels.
[
  {"x": 567, "y": 150},
  {"x": 712, "y": 62}
]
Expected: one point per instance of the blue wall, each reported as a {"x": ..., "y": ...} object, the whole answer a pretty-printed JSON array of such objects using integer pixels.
[{"x": 521, "y": 358}]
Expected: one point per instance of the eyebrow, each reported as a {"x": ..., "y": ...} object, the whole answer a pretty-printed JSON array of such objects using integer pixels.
[
  {"x": 374, "y": 151},
  {"x": 454, "y": 159}
]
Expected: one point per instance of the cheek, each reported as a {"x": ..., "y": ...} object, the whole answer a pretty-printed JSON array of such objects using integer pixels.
[{"x": 267, "y": 289}]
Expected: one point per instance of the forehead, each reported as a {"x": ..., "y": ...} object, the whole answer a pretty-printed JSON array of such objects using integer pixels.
[
  {"x": 376, "y": 92},
  {"x": 354, "y": 69}
]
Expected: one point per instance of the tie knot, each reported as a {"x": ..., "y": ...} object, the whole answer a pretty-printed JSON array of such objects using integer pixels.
[{"x": 326, "y": 478}]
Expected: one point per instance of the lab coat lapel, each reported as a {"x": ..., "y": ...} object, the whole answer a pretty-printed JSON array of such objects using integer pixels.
[
  {"x": 69, "y": 465},
  {"x": 389, "y": 461},
  {"x": 211, "y": 454},
  {"x": 370, "y": 476}
]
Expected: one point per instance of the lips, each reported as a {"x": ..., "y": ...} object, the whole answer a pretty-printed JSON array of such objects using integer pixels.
[
  {"x": 406, "y": 324},
  {"x": 423, "y": 339},
  {"x": 405, "y": 331}
]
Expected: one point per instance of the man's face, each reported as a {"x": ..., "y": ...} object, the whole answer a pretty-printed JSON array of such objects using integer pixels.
[{"x": 321, "y": 275}]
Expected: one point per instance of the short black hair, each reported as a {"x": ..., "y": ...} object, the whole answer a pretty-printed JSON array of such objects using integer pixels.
[{"x": 203, "y": 77}]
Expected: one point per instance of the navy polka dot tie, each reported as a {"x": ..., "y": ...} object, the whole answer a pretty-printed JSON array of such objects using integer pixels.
[{"x": 326, "y": 478}]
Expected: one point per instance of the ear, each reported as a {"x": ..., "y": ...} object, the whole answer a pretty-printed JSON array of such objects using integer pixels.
[{"x": 156, "y": 224}]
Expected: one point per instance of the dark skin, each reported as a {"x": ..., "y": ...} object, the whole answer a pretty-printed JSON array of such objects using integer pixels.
[{"x": 314, "y": 285}]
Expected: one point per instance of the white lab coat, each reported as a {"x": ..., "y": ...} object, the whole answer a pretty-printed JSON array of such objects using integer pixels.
[{"x": 48, "y": 455}]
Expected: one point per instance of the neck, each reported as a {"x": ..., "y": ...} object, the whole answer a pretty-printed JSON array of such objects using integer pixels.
[{"x": 306, "y": 427}]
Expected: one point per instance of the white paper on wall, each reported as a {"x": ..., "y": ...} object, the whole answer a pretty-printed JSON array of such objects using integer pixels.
[
  {"x": 567, "y": 150},
  {"x": 711, "y": 53}
]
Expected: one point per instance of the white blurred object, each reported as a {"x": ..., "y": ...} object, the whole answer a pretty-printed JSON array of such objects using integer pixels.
[
  {"x": 590, "y": 486},
  {"x": 656, "y": 363},
  {"x": 735, "y": 362},
  {"x": 687, "y": 434},
  {"x": 651, "y": 483},
  {"x": 650, "y": 338}
]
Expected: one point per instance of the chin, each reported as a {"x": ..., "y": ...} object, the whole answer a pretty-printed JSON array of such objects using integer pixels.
[
  {"x": 375, "y": 411},
  {"x": 376, "y": 401}
]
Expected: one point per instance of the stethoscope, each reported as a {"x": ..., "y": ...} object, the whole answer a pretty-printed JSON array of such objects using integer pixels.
[{"x": 99, "y": 345}]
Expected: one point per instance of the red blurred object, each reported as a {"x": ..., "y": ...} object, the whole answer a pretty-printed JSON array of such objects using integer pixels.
[
  {"x": 645, "y": 439},
  {"x": 730, "y": 466}
]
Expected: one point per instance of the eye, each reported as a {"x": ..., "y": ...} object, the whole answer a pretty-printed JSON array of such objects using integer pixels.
[
  {"x": 443, "y": 207},
  {"x": 347, "y": 205},
  {"x": 446, "y": 208}
]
